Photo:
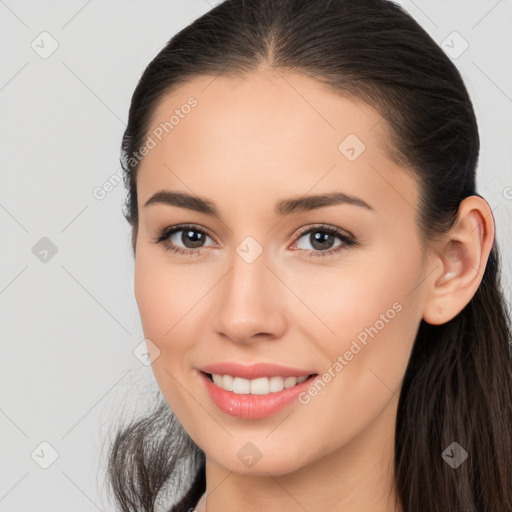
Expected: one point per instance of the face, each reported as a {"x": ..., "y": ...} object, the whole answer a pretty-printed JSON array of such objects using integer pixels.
[{"x": 328, "y": 287}]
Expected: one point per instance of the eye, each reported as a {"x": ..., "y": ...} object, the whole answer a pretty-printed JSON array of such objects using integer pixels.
[
  {"x": 322, "y": 239},
  {"x": 190, "y": 236}
]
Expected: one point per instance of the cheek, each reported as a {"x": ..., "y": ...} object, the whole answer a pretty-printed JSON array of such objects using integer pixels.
[
  {"x": 170, "y": 298},
  {"x": 368, "y": 316},
  {"x": 164, "y": 293},
  {"x": 162, "y": 300},
  {"x": 372, "y": 319},
  {"x": 348, "y": 298},
  {"x": 163, "y": 303},
  {"x": 151, "y": 299}
]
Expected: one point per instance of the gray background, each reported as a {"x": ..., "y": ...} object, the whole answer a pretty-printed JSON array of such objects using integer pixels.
[{"x": 69, "y": 322}]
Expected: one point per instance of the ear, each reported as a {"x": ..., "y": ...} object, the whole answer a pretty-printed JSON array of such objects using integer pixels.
[{"x": 459, "y": 261}]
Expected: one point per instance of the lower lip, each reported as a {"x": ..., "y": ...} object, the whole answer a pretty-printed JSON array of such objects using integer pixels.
[{"x": 253, "y": 406}]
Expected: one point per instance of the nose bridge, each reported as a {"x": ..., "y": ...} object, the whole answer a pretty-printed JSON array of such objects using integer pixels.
[{"x": 250, "y": 301}]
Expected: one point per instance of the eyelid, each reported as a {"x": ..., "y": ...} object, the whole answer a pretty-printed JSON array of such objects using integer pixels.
[
  {"x": 326, "y": 227},
  {"x": 166, "y": 232}
]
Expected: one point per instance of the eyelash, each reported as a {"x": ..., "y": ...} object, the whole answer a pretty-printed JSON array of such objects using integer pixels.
[{"x": 164, "y": 235}]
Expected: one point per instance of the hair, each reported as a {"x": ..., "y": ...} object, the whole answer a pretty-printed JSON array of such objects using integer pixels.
[{"x": 458, "y": 382}]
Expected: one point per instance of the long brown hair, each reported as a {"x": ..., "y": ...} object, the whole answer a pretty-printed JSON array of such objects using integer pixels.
[{"x": 458, "y": 383}]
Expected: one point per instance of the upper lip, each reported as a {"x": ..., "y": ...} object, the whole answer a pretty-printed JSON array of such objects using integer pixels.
[{"x": 254, "y": 371}]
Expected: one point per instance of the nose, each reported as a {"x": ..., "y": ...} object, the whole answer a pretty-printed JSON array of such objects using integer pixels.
[{"x": 251, "y": 302}]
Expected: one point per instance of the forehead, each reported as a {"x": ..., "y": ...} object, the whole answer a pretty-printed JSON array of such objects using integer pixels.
[
  {"x": 269, "y": 131},
  {"x": 263, "y": 103}
]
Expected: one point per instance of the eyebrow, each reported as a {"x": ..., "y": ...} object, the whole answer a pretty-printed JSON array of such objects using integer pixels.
[{"x": 282, "y": 208}]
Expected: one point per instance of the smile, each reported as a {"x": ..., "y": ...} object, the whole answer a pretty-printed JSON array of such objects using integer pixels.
[
  {"x": 260, "y": 386},
  {"x": 255, "y": 398}
]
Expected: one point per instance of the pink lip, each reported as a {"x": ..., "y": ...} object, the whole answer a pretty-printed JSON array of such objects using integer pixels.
[
  {"x": 254, "y": 371},
  {"x": 249, "y": 406}
]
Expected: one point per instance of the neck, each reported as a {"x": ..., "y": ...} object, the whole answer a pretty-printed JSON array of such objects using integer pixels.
[{"x": 356, "y": 477}]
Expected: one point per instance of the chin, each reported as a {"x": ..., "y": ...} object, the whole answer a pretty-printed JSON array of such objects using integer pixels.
[{"x": 275, "y": 465}]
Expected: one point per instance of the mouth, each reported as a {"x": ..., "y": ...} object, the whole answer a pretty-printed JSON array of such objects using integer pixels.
[
  {"x": 256, "y": 398},
  {"x": 258, "y": 386}
]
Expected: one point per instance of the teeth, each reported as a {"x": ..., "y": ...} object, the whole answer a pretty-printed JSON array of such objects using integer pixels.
[
  {"x": 227, "y": 382},
  {"x": 261, "y": 386}
]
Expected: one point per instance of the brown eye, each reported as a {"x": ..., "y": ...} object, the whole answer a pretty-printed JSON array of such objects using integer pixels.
[
  {"x": 189, "y": 236},
  {"x": 186, "y": 240},
  {"x": 322, "y": 240}
]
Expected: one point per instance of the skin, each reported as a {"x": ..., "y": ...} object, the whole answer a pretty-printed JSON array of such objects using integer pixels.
[{"x": 249, "y": 143}]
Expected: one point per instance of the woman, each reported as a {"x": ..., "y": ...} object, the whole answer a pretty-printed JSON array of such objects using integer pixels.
[{"x": 316, "y": 274}]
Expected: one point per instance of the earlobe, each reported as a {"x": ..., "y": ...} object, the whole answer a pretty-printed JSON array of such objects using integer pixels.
[{"x": 460, "y": 260}]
